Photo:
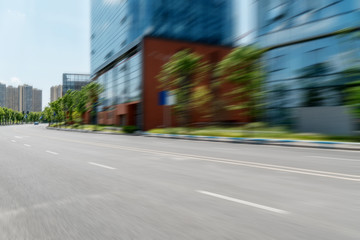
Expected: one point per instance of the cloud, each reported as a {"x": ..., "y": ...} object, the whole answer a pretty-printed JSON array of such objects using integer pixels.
[
  {"x": 16, "y": 14},
  {"x": 15, "y": 81}
]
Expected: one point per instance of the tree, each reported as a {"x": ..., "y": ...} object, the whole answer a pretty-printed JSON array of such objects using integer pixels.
[
  {"x": 92, "y": 93},
  {"x": 2, "y": 115},
  {"x": 19, "y": 117},
  {"x": 353, "y": 98},
  {"x": 48, "y": 113},
  {"x": 81, "y": 101},
  {"x": 58, "y": 109},
  {"x": 7, "y": 115},
  {"x": 69, "y": 104},
  {"x": 243, "y": 68},
  {"x": 181, "y": 74}
]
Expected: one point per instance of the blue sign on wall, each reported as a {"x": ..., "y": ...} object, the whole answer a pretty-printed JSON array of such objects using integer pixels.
[{"x": 162, "y": 98}]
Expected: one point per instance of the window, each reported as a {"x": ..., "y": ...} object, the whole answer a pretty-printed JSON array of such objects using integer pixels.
[
  {"x": 123, "y": 20},
  {"x": 109, "y": 55}
]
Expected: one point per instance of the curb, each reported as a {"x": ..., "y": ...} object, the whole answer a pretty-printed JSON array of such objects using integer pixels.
[{"x": 265, "y": 141}]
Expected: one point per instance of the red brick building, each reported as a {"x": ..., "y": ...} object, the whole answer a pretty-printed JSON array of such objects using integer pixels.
[{"x": 146, "y": 111}]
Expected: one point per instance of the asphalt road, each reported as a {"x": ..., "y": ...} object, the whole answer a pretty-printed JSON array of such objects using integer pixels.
[{"x": 66, "y": 185}]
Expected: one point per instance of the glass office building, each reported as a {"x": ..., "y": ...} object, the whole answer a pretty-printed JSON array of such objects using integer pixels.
[
  {"x": 118, "y": 30},
  {"x": 313, "y": 45},
  {"x": 74, "y": 81},
  {"x": 117, "y": 25}
]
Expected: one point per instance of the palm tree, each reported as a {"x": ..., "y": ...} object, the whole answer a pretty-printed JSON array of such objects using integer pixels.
[
  {"x": 69, "y": 104},
  {"x": 93, "y": 91},
  {"x": 242, "y": 67},
  {"x": 180, "y": 74}
]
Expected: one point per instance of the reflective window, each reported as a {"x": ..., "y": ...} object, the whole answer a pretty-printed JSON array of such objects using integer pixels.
[
  {"x": 116, "y": 24},
  {"x": 122, "y": 83}
]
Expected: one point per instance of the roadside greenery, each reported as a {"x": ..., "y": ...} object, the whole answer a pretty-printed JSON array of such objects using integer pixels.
[
  {"x": 90, "y": 127},
  {"x": 72, "y": 107},
  {"x": 353, "y": 98},
  {"x": 243, "y": 68},
  {"x": 253, "y": 130},
  {"x": 181, "y": 74},
  {"x": 197, "y": 84},
  {"x": 9, "y": 116}
]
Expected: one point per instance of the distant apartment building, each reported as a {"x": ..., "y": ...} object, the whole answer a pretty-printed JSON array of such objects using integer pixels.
[
  {"x": 55, "y": 93},
  {"x": 37, "y": 100},
  {"x": 26, "y": 98},
  {"x": 74, "y": 81},
  {"x": 23, "y": 98},
  {"x": 2, "y": 95},
  {"x": 12, "y": 98}
]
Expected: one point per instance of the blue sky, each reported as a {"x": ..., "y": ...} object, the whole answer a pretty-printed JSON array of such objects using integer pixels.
[{"x": 41, "y": 39}]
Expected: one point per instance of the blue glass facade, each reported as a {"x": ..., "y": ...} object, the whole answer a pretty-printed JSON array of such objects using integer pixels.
[
  {"x": 308, "y": 58},
  {"x": 119, "y": 26},
  {"x": 74, "y": 81},
  {"x": 122, "y": 83}
]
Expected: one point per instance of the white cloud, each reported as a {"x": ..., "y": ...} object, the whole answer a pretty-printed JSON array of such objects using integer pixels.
[
  {"x": 15, "y": 81},
  {"x": 16, "y": 14}
]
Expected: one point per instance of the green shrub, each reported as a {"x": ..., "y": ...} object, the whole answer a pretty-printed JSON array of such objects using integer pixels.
[
  {"x": 256, "y": 125},
  {"x": 130, "y": 129}
]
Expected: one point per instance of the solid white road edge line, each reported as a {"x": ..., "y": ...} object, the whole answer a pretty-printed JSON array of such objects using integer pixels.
[
  {"x": 334, "y": 158},
  {"x": 100, "y": 165},
  {"x": 244, "y": 202},
  {"x": 54, "y": 153}
]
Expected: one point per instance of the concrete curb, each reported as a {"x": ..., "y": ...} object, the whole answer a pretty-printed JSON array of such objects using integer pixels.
[{"x": 267, "y": 141}]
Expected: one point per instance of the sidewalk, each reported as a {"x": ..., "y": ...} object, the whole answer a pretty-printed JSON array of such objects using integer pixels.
[{"x": 267, "y": 141}]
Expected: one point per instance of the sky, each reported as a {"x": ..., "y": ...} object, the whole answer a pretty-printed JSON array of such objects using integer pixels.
[{"x": 42, "y": 39}]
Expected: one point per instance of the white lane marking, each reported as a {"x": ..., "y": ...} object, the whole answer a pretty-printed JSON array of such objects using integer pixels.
[
  {"x": 100, "y": 165},
  {"x": 13, "y": 141},
  {"x": 246, "y": 163},
  {"x": 227, "y": 161},
  {"x": 244, "y": 202},
  {"x": 18, "y": 137},
  {"x": 54, "y": 153},
  {"x": 27, "y": 145},
  {"x": 341, "y": 159}
]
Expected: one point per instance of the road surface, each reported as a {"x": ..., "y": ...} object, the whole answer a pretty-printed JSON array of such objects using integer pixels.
[{"x": 67, "y": 185}]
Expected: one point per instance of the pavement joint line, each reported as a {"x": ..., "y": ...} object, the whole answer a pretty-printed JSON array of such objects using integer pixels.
[
  {"x": 54, "y": 153},
  {"x": 334, "y": 175},
  {"x": 263, "y": 207},
  {"x": 334, "y": 158},
  {"x": 100, "y": 165},
  {"x": 27, "y": 145}
]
